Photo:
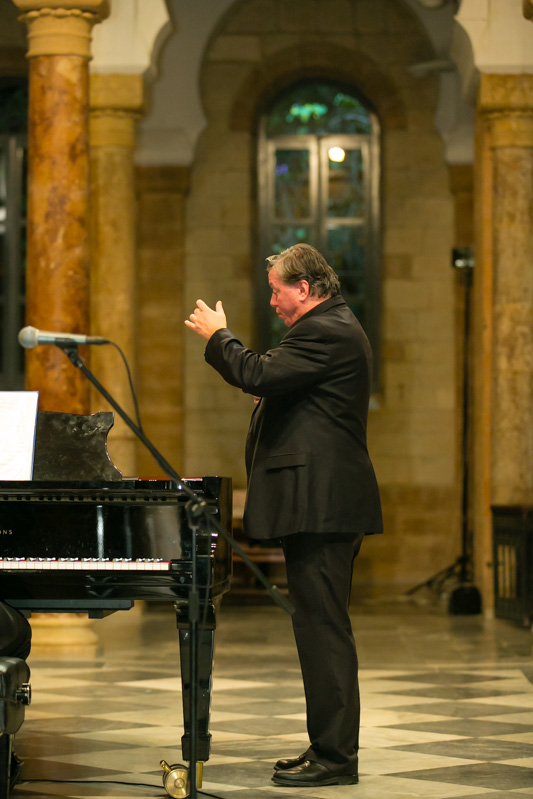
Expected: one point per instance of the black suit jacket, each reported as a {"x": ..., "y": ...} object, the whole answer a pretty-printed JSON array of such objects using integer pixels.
[{"x": 306, "y": 454}]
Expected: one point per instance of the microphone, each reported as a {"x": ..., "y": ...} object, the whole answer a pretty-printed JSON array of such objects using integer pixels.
[{"x": 30, "y": 337}]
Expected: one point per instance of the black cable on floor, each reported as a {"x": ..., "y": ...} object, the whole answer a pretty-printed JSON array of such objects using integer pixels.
[
  {"x": 93, "y": 782},
  {"x": 112, "y": 782}
]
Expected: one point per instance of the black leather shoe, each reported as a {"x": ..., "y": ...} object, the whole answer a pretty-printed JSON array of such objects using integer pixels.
[
  {"x": 311, "y": 775},
  {"x": 290, "y": 762}
]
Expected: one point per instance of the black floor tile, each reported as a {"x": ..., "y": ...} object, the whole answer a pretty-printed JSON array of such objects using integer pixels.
[
  {"x": 78, "y": 724},
  {"x": 488, "y": 749},
  {"x": 452, "y": 692},
  {"x": 446, "y": 677},
  {"x": 484, "y": 775},
  {"x": 469, "y": 728},
  {"x": 53, "y": 770},
  {"x": 463, "y": 710},
  {"x": 29, "y": 744}
]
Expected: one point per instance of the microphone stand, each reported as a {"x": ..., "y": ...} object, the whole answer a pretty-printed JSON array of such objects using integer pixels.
[{"x": 196, "y": 508}]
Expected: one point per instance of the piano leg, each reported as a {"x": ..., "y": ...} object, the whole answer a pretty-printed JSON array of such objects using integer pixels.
[{"x": 206, "y": 637}]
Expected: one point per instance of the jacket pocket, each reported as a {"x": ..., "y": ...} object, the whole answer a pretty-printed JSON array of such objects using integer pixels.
[{"x": 283, "y": 461}]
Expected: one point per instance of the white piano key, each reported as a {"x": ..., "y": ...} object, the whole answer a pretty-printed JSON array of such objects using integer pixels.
[{"x": 86, "y": 564}]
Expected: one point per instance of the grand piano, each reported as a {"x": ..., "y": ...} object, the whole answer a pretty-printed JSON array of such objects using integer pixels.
[{"x": 79, "y": 538}]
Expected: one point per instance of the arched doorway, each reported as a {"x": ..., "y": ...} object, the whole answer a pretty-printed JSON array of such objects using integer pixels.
[{"x": 319, "y": 182}]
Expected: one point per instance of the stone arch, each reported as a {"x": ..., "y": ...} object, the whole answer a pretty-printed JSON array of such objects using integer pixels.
[
  {"x": 307, "y": 62},
  {"x": 369, "y": 46}
]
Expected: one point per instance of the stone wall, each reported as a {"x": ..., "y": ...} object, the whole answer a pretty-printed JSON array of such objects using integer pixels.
[
  {"x": 260, "y": 47},
  {"x": 161, "y": 194}
]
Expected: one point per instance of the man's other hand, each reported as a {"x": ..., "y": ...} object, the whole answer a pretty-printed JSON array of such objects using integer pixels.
[{"x": 205, "y": 321}]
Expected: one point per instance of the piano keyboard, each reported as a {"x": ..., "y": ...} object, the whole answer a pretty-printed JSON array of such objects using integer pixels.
[{"x": 86, "y": 564}]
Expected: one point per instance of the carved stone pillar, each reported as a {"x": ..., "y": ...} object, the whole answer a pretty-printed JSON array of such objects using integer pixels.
[
  {"x": 58, "y": 190},
  {"x": 116, "y": 102},
  {"x": 504, "y": 278}
]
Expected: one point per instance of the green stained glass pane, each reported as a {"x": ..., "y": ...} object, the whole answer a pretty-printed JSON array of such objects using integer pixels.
[
  {"x": 284, "y": 236},
  {"x": 318, "y": 108},
  {"x": 346, "y": 191},
  {"x": 291, "y": 182},
  {"x": 346, "y": 254}
]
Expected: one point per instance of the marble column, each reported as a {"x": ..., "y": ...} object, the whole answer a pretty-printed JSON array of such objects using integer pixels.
[
  {"x": 508, "y": 100},
  {"x": 116, "y": 102},
  {"x": 504, "y": 300},
  {"x": 58, "y": 191},
  {"x": 58, "y": 224}
]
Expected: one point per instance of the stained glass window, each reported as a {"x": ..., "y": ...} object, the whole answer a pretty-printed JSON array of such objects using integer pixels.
[
  {"x": 319, "y": 108},
  {"x": 319, "y": 183}
]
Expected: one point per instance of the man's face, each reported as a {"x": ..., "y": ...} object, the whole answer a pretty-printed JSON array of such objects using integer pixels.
[{"x": 286, "y": 298}]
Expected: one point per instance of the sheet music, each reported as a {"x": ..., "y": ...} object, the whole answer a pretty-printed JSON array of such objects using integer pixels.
[{"x": 18, "y": 420}]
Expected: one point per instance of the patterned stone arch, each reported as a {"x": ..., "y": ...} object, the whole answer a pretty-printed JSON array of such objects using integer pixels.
[
  {"x": 265, "y": 46},
  {"x": 308, "y": 61}
]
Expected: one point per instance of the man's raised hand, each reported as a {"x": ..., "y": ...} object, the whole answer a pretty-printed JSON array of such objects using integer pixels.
[{"x": 205, "y": 321}]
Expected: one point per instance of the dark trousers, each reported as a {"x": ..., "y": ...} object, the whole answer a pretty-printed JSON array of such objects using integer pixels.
[{"x": 319, "y": 577}]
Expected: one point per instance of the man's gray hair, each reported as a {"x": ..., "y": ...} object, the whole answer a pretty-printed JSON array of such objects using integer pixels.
[{"x": 303, "y": 262}]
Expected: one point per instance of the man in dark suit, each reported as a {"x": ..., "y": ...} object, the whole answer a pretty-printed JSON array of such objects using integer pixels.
[{"x": 310, "y": 483}]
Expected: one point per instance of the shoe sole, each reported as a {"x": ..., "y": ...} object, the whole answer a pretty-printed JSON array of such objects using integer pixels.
[{"x": 349, "y": 779}]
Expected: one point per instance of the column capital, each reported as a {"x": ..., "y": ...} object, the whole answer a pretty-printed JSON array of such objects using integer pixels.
[
  {"x": 506, "y": 101},
  {"x": 116, "y": 102},
  {"x": 61, "y": 27},
  {"x": 116, "y": 92},
  {"x": 511, "y": 130},
  {"x": 100, "y": 8},
  {"x": 506, "y": 93}
]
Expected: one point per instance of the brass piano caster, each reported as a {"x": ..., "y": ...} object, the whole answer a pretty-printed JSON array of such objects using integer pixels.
[{"x": 176, "y": 778}]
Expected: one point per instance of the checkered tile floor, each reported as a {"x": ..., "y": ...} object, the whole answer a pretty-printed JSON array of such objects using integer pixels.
[{"x": 447, "y": 708}]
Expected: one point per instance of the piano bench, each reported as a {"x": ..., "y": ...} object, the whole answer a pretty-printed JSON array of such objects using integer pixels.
[{"x": 15, "y": 694}]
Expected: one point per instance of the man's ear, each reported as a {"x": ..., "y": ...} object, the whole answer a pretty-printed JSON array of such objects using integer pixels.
[{"x": 303, "y": 288}]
